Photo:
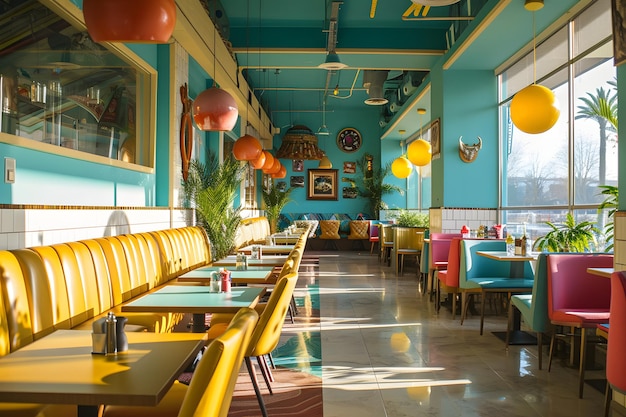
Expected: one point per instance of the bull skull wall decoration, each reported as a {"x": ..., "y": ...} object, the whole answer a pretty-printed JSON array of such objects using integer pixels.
[{"x": 468, "y": 153}]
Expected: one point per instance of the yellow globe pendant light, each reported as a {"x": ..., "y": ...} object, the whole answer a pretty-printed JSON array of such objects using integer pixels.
[
  {"x": 419, "y": 152},
  {"x": 534, "y": 109},
  {"x": 401, "y": 167}
]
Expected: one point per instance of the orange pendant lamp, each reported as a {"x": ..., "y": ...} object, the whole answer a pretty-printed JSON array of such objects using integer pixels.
[
  {"x": 274, "y": 168},
  {"x": 144, "y": 21},
  {"x": 259, "y": 162},
  {"x": 282, "y": 173},
  {"x": 247, "y": 148},
  {"x": 215, "y": 110},
  {"x": 269, "y": 161}
]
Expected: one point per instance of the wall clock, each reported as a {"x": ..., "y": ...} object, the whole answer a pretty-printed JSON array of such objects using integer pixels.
[{"x": 349, "y": 140}]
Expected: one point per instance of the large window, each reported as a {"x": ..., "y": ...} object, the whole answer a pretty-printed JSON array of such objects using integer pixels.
[
  {"x": 58, "y": 87},
  {"x": 547, "y": 175}
]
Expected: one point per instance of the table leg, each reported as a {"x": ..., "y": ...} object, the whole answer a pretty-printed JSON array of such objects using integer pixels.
[
  {"x": 198, "y": 325},
  {"x": 88, "y": 410}
]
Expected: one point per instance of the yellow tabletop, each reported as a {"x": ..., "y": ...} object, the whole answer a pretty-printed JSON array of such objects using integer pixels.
[
  {"x": 195, "y": 299},
  {"x": 60, "y": 369},
  {"x": 601, "y": 272}
]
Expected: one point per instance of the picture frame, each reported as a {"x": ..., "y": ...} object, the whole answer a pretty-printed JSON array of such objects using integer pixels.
[
  {"x": 297, "y": 165},
  {"x": 297, "y": 181},
  {"x": 350, "y": 192},
  {"x": 618, "y": 14},
  {"x": 435, "y": 140},
  {"x": 322, "y": 184},
  {"x": 349, "y": 167}
]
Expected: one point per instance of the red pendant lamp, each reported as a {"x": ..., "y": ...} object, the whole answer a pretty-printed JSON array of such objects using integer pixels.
[
  {"x": 144, "y": 21},
  {"x": 259, "y": 162},
  {"x": 247, "y": 148},
  {"x": 215, "y": 110}
]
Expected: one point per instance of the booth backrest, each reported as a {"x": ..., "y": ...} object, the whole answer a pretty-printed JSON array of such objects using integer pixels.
[
  {"x": 67, "y": 285},
  {"x": 252, "y": 230}
]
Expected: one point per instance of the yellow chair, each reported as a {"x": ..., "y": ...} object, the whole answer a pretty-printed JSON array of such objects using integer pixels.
[
  {"x": 267, "y": 332},
  {"x": 359, "y": 231},
  {"x": 329, "y": 231},
  {"x": 408, "y": 241},
  {"x": 386, "y": 242},
  {"x": 211, "y": 389}
]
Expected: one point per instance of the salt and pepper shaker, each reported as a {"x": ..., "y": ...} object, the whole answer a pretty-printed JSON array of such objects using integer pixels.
[{"x": 111, "y": 333}]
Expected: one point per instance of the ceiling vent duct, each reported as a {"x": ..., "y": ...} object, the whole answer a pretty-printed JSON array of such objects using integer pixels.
[{"x": 373, "y": 81}]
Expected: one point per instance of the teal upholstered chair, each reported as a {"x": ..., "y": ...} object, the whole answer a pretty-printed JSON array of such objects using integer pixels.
[
  {"x": 479, "y": 274},
  {"x": 533, "y": 307}
]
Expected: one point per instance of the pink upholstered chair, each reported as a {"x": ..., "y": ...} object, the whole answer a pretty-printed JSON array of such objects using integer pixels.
[
  {"x": 615, "y": 358},
  {"x": 438, "y": 252},
  {"x": 449, "y": 277},
  {"x": 374, "y": 238},
  {"x": 577, "y": 299}
]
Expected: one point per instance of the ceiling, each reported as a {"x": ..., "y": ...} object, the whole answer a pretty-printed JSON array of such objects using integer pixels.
[{"x": 278, "y": 45}]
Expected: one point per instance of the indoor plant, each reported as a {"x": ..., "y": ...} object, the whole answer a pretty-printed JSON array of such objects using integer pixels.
[
  {"x": 211, "y": 189},
  {"x": 371, "y": 185},
  {"x": 611, "y": 202},
  {"x": 406, "y": 218},
  {"x": 275, "y": 200},
  {"x": 567, "y": 237}
]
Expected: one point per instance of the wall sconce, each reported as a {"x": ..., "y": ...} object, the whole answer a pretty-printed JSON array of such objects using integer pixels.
[{"x": 468, "y": 153}]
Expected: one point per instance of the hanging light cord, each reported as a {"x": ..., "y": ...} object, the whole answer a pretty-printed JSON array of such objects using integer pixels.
[{"x": 534, "y": 51}]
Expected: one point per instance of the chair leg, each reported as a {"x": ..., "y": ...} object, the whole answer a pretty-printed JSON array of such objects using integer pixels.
[
  {"x": 483, "y": 296},
  {"x": 539, "y": 348},
  {"x": 583, "y": 355},
  {"x": 255, "y": 384},
  {"x": 271, "y": 358},
  {"x": 552, "y": 339},
  {"x": 464, "y": 305},
  {"x": 438, "y": 296},
  {"x": 509, "y": 326},
  {"x": 608, "y": 397},
  {"x": 265, "y": 372},
  {"x": 453, "y": 294}
]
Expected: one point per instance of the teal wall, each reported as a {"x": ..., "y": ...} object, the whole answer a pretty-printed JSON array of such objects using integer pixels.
[
  {"x": 365, "y": 120},
  {"x": 44, "y": 178},
  {"x": 466, "y": 103}
]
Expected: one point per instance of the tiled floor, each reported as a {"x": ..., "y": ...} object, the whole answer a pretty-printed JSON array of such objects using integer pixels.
[{"x": 385, "y": 352}]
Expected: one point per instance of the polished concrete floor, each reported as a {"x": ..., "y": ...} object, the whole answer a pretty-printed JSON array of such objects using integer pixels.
[{"x": 386, "y": 352}]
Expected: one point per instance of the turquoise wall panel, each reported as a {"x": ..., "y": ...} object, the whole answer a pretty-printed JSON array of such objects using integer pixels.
[
  {"x": 43, "y": 178},
  {"x": 163, "y": 141},
  {"x": 470, "y": 110},
  {"x": 365, "y": 120}
]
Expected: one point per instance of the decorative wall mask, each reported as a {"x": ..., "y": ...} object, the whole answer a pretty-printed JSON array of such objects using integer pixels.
[{"x": 468, "y": 153}]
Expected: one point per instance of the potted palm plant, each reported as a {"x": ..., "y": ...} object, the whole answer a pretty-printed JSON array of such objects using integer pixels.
[
  {"x": 567, "y": 237},
  {"x": 211, "y": 189},
  {"x": 275, "y": 200},
  {"x": 371, "y": 185},
  {"x": 610, "y": 202}
]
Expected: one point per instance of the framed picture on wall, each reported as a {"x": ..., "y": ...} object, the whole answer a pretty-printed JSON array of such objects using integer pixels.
[
  {"x": 297, "y": 165},
  {"x": 618, "y": 8},
  {"x": 349, "y": 167},
  {"x": 297, "y": 181},
  {"x": 350, "y": 192},
  {"x": 322, "y": 184},
  {"x": 435, "y": 140}
]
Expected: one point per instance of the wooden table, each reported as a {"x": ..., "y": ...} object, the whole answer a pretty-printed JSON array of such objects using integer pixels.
[
  {"x": 195, "y": 299},
  {"x": 517, "y": 336},
  {"x": 269, "y": 260},
  {"x": 601, "y": 272},
  {"x": 253, "y": 275},
  {"x": 269, "y": 249},
  {"x": 60, "y": 369}
]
